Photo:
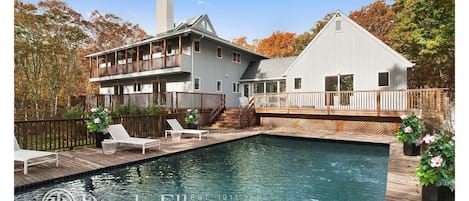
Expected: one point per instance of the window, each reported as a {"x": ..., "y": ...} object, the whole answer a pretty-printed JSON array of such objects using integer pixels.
[
  {"x": 298, "y": 83},
  {"x": 196, "y": 46},
  {"x": 283, "y": 87},
  {"x": 236, "y": 57},
  {"x": 271, "y": 87},
  {"x": 137, "y": 87},
  {"x": 196, "y": 83},
  {"x": 169, "y": 49},
  {"x": 235, "y": 88},
  {"x": 219, "y": 87},
  {"x": 383, "y": 79},
  {"x": 338, "y": 26},
  {"x": 259, "y": 87},
  {"x": 219, "y": 54},
  {"x": 118, "y": 89}
]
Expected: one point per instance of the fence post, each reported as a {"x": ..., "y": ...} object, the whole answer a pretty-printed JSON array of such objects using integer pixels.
[
  {"x": 177, "y": 101},
  {"x": 438, "y": 100},
  {"x": 378, "y": 102}
]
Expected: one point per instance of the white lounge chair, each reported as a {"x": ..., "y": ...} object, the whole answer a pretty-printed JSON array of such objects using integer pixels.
[
  {"x": 26, "y": 156},
  {"x": 177, "y": 128},
  {"x": 120, "y": 135}
]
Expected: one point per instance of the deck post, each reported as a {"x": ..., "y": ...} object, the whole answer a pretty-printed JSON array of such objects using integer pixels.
[
  {"x": 97, "y": 65},
  {"x": 151, "y": 56},
  {"x": 115, "y": 61},
  {"x": 287, "y": 102},
  {"x": 177, "y": 103},
  {"x": 378, "y": 102},
  {"x": 438, "y": 100},
  {"x": 126, "y": 68},
  {"x": 138, "y": 62},
  {"x": 164, "y": 53},
  {"x": 107, "y": 67},
  {"x": 328, "y": 102},
  {"x": 180, "y": 50}
]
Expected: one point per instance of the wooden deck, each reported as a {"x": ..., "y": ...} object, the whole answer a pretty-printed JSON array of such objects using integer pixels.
[{"x": 401, "y": 181}]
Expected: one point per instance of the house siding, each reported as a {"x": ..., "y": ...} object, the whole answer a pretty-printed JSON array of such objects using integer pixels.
[{"x": 349, "y": 51}]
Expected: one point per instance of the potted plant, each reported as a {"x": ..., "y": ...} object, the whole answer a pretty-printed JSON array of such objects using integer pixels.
[
  {"x": 436, "y": 170},
  {"x": 98, "y": 122},
  {"x": 410, "y": 131},
  {"x": 192, "y": 118}
]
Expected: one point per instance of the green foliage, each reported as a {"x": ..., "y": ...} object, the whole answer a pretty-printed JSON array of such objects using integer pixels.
[
  {"x": 98, "y": 120},
  {"x": 437, "y": 161},
  {"x": 73, "y": 113},
  {"x": 127, "y": 110},
  {"x": 192, "y": 117},
  {"x": 425, "y": 33},
  {"x": 411, "y": 129}
]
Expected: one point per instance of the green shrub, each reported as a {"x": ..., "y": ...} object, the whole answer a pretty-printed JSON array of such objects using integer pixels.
[
  {"x": 152, "y": 110},
  {"x": 121, "y": 110},
  {"x": 74, "y": 112}
]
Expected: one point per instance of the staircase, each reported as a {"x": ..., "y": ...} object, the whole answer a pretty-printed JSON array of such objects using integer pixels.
[{"x": 234, "y": 118}]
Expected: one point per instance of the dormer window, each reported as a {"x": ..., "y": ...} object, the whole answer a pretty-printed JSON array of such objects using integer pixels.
[{"x": 338, "y": 26}]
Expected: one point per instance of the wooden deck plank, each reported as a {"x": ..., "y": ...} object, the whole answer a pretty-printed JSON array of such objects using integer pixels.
[{"x": 401, "y": 181}]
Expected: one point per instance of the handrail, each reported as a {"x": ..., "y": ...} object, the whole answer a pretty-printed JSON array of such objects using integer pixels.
[
  {"x": 243, "y": 112},
  {"x": 215, "y": 112}
]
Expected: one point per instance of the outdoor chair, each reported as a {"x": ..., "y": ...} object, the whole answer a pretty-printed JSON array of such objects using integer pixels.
[
  {"x": 120, "y": 135},
  {"x": 32, "y": 157},
  {"x": 177, "y": 128}
]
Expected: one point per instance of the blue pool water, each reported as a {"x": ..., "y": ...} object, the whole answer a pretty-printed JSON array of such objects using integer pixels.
[{"x": 256, "y": 168}]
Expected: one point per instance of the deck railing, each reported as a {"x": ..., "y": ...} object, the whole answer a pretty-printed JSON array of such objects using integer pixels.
[{"x": 366, "y": 102}]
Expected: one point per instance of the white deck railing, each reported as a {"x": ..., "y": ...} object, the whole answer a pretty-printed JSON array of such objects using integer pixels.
[{"x": 378, "y": 101}]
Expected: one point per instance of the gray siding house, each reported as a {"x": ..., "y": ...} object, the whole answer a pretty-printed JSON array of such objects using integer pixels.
[
  {"x": 186, "y": 57},
  {"x": 346, "y": 57}
]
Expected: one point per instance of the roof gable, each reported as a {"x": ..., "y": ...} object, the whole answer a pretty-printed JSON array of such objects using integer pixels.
[
  {"x": 339, "y": 15},
  {"x": 201, "y": 23}
]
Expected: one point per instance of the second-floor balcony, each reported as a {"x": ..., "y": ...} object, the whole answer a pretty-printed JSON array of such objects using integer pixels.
[{"x": 123, "y": 67}]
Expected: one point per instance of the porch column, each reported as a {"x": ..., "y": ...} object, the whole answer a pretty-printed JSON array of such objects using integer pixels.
[
  {"x": 138, "y": 55},
  {"x": 97, "y": 66},
  {"x": 180, "y": 50},
  {"x": 164, "y": 53},
  {"x": 115, "y": 62},
  {"x": 151, "y": 55},
  {"x": 126, "y": 62},
  {"x": 90, "y": 65},
  {"x": 106, "y": 61}
]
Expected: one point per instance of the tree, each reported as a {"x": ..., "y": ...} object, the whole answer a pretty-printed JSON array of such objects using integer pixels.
[
  {"x": 242, "y": 41},
  {"x": 279, "y": 44},
  {"x": 378, "y": 18},
  {"x": 425, "y": 33}
]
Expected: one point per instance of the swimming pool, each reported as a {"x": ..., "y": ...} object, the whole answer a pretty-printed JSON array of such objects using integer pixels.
[{"x": 256, "y": 168}]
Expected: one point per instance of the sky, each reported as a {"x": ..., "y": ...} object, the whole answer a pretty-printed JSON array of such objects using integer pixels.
[{"x": 255, "y": 19}]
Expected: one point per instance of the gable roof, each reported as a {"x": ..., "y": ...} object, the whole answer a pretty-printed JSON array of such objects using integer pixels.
[
  {"x": 201, "y": 23},
  {"x": 267, "y": 69},
  {"x": 340, "y": 14}
]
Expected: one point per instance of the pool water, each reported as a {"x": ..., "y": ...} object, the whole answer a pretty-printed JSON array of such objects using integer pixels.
[{"x": 256, "y": 168}]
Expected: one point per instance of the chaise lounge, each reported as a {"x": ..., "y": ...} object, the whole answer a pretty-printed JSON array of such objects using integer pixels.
[
  {"x": 177, "y": 128},
  {"x": 27, "y": 156},
  {"x": 120, "y": 135}
]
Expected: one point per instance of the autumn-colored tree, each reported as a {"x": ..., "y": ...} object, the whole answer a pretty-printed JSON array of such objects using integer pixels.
[
  {"x": 302, "y": 40},
  {"x": 279, "y": 44},
  {"x": 425, "y": 33},
  {"x": 378, "y": 18},
  {"x": 242, "y": 41}
]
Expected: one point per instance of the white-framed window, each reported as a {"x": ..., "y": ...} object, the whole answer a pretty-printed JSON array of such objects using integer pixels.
[
  {"x": 137, "y": 87},
  {"x": 219, "y": 52},
  {"x": 196, "y": 83},
  {"x": 338, "y": 26},
  {"x": 383, "y": 79},
  {"x": 236, "y": 57},
  {"x": 197, "y": 46},
  {"x": 235, "y": 87},
  {"x": 259, "y": 87},
  {"x": 219, "y": 86},
  {"x": 297, "y": 83}
]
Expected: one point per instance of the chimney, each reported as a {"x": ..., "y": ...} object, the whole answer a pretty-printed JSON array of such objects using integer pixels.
[{"x": 164, "y": 16}]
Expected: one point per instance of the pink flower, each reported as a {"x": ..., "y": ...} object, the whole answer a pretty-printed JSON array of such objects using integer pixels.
[
  {"x": 97, "y": 121},
  {"x": 428, "y": 139},
  {"x": 403, "y": 116},
  {"x": 407, "y": 129},
  {"x": 436, "y": 161},
  {"x": 453, "y": 183},
  {"x": 94, "y": 109},
  {"x": 453, "y": 138}
]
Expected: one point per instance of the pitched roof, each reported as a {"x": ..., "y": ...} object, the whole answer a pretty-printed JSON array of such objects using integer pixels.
[
  {"x": 201, "y": 23},
  {"x": 267, "y": 69},
  {"x": 339, "y": 13}
]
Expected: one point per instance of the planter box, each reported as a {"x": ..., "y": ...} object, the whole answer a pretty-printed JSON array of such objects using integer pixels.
[{"x": 437, "y": 193}]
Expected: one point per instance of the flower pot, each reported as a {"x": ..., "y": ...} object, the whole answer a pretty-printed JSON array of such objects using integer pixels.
[
  {"x": 410, "y": 149},
  {"x": 437, "y": 193},
  {"x": 192, "y": 126},
  {"x": 99, "y": 138}
]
